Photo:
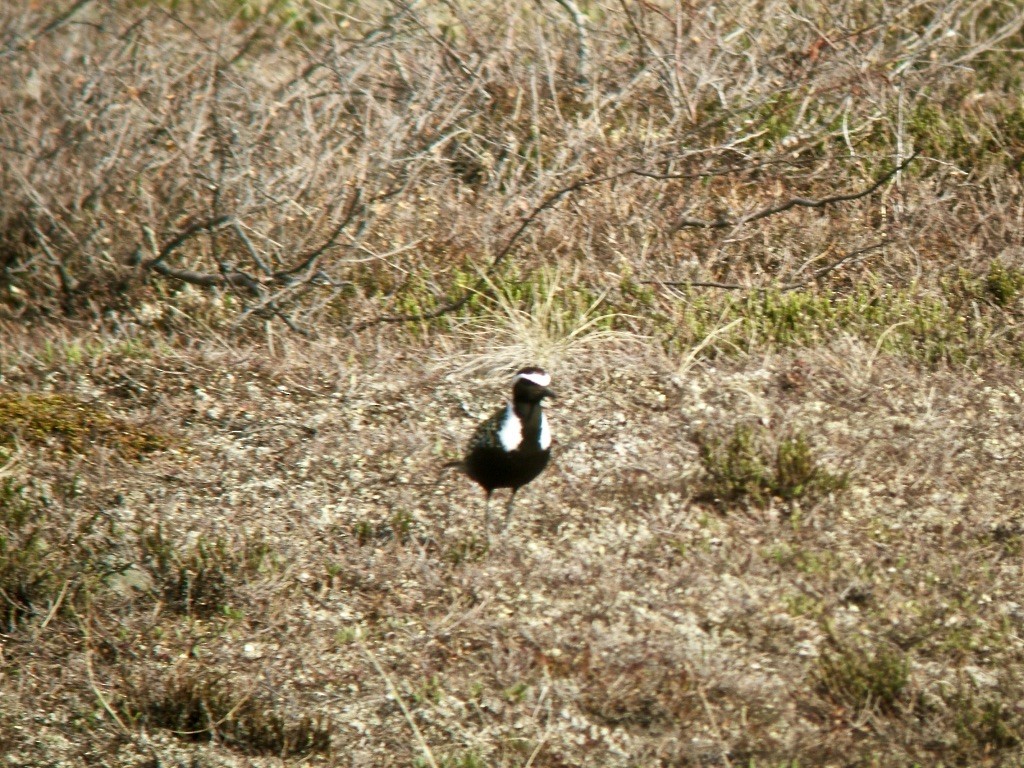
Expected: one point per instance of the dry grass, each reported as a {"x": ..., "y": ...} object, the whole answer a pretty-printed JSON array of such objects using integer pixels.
[
  {"x": 551, "y": 319},
  {"x": 262, "y": 266}
]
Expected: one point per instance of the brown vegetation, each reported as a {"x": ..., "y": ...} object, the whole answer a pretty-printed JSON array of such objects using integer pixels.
[{"x": 264, "y": 264}]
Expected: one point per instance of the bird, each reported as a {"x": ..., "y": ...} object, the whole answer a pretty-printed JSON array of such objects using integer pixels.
[{"x": 513, "y": 445}]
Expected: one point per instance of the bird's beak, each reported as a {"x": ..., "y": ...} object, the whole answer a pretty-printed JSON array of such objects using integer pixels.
[{"x": 548, "y": 393}]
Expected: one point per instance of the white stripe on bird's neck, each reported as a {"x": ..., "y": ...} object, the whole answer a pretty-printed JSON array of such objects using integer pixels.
[{"x": 510, "y": 434}]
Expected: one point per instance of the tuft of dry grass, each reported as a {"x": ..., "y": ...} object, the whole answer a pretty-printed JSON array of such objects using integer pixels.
[{"x": 549, "y": 320}]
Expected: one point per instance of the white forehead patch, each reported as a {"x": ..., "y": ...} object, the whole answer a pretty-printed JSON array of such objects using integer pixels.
[
  {"x": 537, "y": 377},
  {"x": 510, "y": 435}
]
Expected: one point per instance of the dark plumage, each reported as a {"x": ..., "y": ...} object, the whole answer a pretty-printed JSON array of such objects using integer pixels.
[{"x": 513, "y": 446}]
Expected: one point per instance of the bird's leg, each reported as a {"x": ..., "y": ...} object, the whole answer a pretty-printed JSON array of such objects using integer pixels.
[
  {"x": 508, "y": 508},
  {"x": 487, "y": 512}
]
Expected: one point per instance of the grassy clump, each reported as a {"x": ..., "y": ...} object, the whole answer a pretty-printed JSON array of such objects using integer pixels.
[
  {"x": 638, "y": 694},
  {"x": 77, "y": 425},
  {"x": 202, "y": 579},
  {"x": 30, "y": 576},
  {"x": 999, "y": 287},
  {"x": 1003, "y": 283},
  {"x": 397, "y": 528},
  {"x": 747, "y": 467},
  {"x": 861, "y": 678},
  {"x": 468, "y": 549},
  {"x": 549, "y": 316},
  {"x": 205, "y": 705},
  {"x": 468, "y": 759},
  {"x": 988, "y": 135},
  {"x": 963, "y": 325},
  {"x": 49, "y": 561},
  {"x": 986, "y": 723}
]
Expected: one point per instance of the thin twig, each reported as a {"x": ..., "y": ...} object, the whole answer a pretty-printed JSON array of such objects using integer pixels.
[
  {"x": 234, "y": 278},
  {"x": 713, "y": 173},
  {"x": 57, "y": 21},
  {"x": 247, "y": 242},
  {"x": 424, "y": 747},
  {"x": 582, "y": 40},
  {"x": 695, "y": 284},
  {"x": 793, "y": 202},
  {"x": 687, "y": 364},
  {"x": 87, "y": 638},
  {"x": 815, "y": 276},
  {"x": 644, "y": 45},
  {"x": 709, "y": 711},
  {"x": 828, "y": 269},
  {"x": 481, "y": 285},
  {"x": 184, "y": 236},
  {"x": 307, "y": 260},
  {"x": 68, "y": 284},
  {"x": 54, "y": 608},
  {"x": 8, "y": 467}
]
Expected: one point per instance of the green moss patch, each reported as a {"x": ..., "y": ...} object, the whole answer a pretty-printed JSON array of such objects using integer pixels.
[{"x": 76, "y": 425}]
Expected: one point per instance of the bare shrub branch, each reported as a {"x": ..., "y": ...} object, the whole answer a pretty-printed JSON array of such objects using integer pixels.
[
  {"x": 817, "y": 275},
  {"x": 794, "y": 202},
  {"x": 582, "y": 40},
  {"x": 364, "y": 175}
]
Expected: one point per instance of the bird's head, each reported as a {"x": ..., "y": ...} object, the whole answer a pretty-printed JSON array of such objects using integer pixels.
[{"x": 531, "y": 385}]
